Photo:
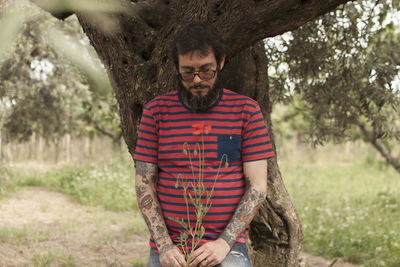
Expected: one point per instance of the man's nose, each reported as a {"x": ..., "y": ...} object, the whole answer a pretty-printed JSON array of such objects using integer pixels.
[{"x": 197, "y": 78}]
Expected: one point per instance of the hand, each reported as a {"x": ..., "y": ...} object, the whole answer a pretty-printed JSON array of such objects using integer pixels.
[
  {"x": 171, "y": 256},
  {"x": 210, "y": 254}
]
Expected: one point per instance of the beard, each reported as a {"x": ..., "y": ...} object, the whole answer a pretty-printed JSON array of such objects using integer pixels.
[{"x": 199, "y": 103}]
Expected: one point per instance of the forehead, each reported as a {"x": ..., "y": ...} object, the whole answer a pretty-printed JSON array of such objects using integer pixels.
[{"x": 196, "y": 59}]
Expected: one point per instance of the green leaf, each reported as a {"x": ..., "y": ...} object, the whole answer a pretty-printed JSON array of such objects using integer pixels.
[{"x": 183, "y": 236}]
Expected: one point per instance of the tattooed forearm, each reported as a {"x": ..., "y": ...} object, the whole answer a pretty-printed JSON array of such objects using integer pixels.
[
  {"x": 164, "y": 250},
  {"x": 146, "y": 202},
  {"x": 146, "y": 181},
  {"x": 247, "y": 208},
  {"x": 140, "y": 190},
  {"x": 147, "y": 171}
]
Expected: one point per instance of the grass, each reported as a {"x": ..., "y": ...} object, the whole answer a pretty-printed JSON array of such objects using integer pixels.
[
  {"x": 53, "y": 258},
  {"x": 348, "y": 202},
  {"x": 20, "y": 236},
  {"x": 349, "y": 207},
  {"x": 108, "y": 185},
  {"x": 6, "y": 184}
]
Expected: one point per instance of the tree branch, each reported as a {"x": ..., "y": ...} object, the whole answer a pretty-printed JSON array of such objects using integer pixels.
[
  {"x": 112, "y": 135},
  {"x": 257, "y": 20},
  {"x": 372, "y": 138}
]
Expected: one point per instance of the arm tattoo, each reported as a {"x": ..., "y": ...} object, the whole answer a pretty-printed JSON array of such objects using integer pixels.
[
  {"x": 146, "y": 202},
  {"x": 147, "y": 170},
  {"x": 245, "y": 211},
  {"x": 146, "y": 181},
  {"x": 140, "y": 190}
]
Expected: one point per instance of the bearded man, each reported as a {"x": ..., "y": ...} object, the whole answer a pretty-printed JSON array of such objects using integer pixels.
[{"x": 200, "y": 136}]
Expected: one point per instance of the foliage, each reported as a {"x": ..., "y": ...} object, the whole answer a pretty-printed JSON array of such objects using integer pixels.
[
  {"x": 344, "y": 68},
  {"x": 39, "y": 88},
  {"x": 348, "y": 205},
  {"x": 109, "y": 185},
  {"x": 44, "y": 91}
]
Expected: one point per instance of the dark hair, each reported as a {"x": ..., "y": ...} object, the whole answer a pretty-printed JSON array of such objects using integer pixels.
[{"x": 197, "y": 36}]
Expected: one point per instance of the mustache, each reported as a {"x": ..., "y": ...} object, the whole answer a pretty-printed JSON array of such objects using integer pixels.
[{"x": 199, "y": 85}]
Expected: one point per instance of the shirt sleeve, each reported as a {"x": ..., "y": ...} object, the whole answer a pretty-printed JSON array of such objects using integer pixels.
[
  {"x": 147, "y": 142},
  {"x": 256, "y": 144}
]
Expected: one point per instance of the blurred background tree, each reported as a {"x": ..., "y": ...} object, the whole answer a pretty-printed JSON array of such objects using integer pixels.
[
  {"x": 340, "y": 75},
  {"x": 46, "y": 96}
]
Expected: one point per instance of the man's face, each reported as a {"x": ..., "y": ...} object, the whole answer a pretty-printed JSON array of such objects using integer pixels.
[
  {"x": 199, "y": 94},
  {"x": 195, "y": 61}
]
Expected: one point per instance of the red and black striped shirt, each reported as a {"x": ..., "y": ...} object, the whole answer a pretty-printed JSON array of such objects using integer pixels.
[{"x": 169, "y": 137}]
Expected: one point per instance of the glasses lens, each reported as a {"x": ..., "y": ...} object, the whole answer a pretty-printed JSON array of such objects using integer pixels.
[
  {"x": 187, "y": 76},
  {"x": 206, "y": 75}
]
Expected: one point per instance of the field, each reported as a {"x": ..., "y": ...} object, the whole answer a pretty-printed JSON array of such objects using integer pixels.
[{"x": 348, "y": 201}]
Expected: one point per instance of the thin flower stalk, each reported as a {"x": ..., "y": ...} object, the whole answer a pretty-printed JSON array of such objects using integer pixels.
[{"x": 196, "y": 233}]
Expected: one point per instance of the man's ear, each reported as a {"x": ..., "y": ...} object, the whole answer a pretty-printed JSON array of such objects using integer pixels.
[{"x": 221, "y": 64}]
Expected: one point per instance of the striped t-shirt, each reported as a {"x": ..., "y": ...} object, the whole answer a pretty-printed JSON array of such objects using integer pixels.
[{"x": 211, "y": 145}]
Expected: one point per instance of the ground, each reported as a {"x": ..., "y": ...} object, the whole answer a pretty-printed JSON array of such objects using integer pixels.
[
  {"x": 39, "y": 227},
  {"x": 43, "y": 228}
]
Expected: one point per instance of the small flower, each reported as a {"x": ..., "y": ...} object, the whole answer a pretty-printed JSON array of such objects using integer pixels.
[{"x": 201, "y": 128}]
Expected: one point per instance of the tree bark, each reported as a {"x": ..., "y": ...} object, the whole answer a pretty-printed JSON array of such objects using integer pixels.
[
  {"x": 275, "y": 232},
  {"x": 137, "y": 59}
]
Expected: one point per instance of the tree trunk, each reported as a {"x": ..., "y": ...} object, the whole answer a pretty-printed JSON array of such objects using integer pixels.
[
  {"x": 1, "y": 145},
  {"x": 275, "y": 233},
  {"x": 86, "y": 146},
  {"x": 56, "y": 150},
  {"x": 136, "y": 57},
  {"x": 68, "y": 147},
  {"x": 41, "y": 149}
]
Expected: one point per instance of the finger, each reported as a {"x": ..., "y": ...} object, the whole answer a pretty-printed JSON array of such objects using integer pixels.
[
  {"x": 197, "y": 259},
  {"x": 206, "y": 263},
  {"x": 174, "y": 263},
  {"x": 198, "y": 252},
  {"x": 170, "y": 263},
  {"x": 212, "y": 263},
  {"x": 181, "y": 260}
]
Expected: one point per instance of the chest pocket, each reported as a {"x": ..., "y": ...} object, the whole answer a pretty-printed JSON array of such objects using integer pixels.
[{"x": 229, "y": 144}]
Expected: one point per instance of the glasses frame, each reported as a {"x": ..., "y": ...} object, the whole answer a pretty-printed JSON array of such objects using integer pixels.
[{"x": 198, "y": 73}]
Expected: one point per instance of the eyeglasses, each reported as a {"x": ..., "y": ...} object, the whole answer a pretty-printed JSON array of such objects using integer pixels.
[{"x": 205, "y": 75}]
